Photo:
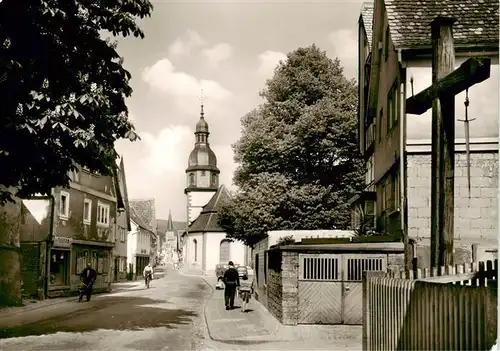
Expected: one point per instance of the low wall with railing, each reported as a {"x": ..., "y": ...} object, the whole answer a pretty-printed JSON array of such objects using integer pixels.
[{"x": 453, "y": 308}]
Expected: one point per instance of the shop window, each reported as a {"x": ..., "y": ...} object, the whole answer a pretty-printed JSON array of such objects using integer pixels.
[
  {"x": 94, "y": 262},
  {"x": 81, "y": 260},
  {"x": 102, "y": 262},
  {"x": 59, "y": 267},
  {"x": 87, "y": 211},
  {"x": 64, "y": 204}
]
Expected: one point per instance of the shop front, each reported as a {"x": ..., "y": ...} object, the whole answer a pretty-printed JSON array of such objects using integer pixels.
[
  {"x": 98, "y": 254},
  {"x": 59, "y": 266}
]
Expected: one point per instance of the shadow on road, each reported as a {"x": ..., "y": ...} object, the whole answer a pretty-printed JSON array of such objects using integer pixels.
[{"x": 113, "y": 312}]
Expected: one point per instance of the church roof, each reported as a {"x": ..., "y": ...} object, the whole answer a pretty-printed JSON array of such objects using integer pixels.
[{"x": 207, "y": 220}]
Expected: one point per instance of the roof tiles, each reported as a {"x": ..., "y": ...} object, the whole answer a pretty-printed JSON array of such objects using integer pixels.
[
  {"x": 367, "y": 16},
  {"x": 477, "y": 21}
]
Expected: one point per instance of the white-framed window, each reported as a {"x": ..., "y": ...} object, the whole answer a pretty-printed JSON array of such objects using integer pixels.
[
  {"x": 102, "y": 213},
  {"x": 64, "y": 204},
  {"x": 87, "y": 211}
]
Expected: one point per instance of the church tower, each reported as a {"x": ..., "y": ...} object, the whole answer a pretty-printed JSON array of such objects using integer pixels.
[{"x": 202, "y": 174}]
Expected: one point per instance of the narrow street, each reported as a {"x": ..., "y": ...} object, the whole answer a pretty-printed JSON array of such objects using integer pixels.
[{"x": 164, "y": 317}]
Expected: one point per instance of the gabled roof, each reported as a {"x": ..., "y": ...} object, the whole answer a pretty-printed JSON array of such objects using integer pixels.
[
  {"x": 207, "y": 220},
  {"x": 367, "y": 18},
  {"x": 147, "y": 212},
  {"x": 477, "y": 21},
  {"x": 137, "y": 219}
]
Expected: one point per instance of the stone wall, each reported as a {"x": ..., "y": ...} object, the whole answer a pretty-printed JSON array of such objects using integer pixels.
[
  {"x": 476, "y": 218},
  {"x": 32, "y": 270},
  {"x": 275, "y": 285},
  {"x": 290, "y": 283}
]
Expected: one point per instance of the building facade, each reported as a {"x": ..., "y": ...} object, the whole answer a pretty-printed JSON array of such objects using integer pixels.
[
  {"x": 139, "y": 246},
  {"x": 122, "y": 228},
  {"x": 169, "y": 232},
  {"x": 395, "y": 64},
  {"x": 84, "y": 219},
  {"x": 144, "y": 211}
]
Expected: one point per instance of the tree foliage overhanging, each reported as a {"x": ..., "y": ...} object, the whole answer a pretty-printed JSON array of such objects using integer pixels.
[
  {"x": 62, "y": 89},
  {"x": 298, "y": 154}
]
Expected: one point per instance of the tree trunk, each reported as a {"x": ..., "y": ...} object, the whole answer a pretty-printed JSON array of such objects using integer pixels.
[{"x": 10, "y": 267}]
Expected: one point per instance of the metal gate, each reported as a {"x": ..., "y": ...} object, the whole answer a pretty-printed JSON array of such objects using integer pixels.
[{"x": 330, "y": 286}]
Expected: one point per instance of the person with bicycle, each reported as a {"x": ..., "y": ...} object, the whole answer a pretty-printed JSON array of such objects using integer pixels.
[{"x": 148, "y": 273}]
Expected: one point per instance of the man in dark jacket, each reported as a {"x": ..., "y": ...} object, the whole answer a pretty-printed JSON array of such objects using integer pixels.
[
  {"x": 88, "y": 277},
  {"x": 231, "y": 283}
]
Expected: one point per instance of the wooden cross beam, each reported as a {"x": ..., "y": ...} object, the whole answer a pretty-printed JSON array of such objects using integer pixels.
[
  {"x": 446, "y": 83},
  {"x": 472, "y": 71}
]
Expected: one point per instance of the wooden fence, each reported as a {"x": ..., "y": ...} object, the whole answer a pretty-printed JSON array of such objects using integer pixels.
[{"x": 454, "y": 308}]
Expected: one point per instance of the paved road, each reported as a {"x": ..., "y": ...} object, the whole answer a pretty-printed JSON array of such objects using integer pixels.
[{"x": 165, "y": 317}]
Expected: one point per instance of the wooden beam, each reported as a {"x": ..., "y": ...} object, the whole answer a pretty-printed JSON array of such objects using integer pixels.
[{"x": 472, "y": 71}]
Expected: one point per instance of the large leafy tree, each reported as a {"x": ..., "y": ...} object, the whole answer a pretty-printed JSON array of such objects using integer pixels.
[
  {"x": 62, "y": 102},
  {"x": 62, "y": 89},
  {"x": 298, "y": 156}
]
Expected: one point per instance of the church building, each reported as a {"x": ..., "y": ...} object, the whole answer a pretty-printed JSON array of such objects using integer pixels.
[{"x": 204, "y": 244}]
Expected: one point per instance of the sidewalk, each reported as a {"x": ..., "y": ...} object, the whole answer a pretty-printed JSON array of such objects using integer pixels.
[{"x": 259, "y": 330}]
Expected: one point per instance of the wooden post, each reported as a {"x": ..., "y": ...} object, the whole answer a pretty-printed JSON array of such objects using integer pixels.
[{"x": 443, "y": 145}]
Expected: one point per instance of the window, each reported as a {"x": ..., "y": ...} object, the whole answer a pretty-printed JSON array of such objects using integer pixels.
[
  {"x": 81, "y": 260},
  {"x": 87, "y": 211},
  {"x": 64, "y": 204},
  {"x": 392, "y": 106},
  {"x": 380, "y": 124},
  {"x": 195, "y": 248},
  {"x": 191, "y": 179},
  {"x": 386, "y": 46},
  {"x": 213, "y": 180},
  {"x": 370, "y": 171},
  {"x": 122, "y": 234},
  {"x": 102, "y": 214},
  {"x": 202, "y": 173},
  {"x": 389, "y": 193},
  {"x": 94, "y": 261}
]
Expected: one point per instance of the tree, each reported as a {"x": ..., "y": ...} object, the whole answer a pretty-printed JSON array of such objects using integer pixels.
[
  {"x": 62, "y": 93},
  {"x": 298, "y": 154},
  {"x": 63, "y": 89}
]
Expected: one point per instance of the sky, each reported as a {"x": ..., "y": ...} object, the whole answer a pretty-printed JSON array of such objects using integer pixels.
[{"x": 228, "y": 49}]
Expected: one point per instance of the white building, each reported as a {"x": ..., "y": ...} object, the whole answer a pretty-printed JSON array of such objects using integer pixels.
[
  {"x": 204, "y": 244},
  {"x": 139, "y": 246}
]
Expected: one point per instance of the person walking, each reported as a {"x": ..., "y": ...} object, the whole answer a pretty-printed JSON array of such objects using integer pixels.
[
  {"x": 246, "y": 291},
  {"x": 231, "y": 283},
  {"x": 88, "y": 277}
]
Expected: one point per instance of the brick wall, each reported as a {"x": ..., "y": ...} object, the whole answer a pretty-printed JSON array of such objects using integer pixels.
[
  {"x": 475, "y": 218},
  {"x": 30, "y": 269}
]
